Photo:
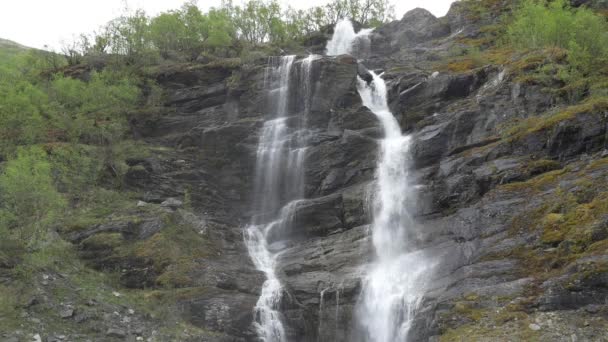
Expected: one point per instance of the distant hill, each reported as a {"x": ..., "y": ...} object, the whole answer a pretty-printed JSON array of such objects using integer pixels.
[
  {"x": 9, "y": 48},
  {"x": 9, "y": 44}
]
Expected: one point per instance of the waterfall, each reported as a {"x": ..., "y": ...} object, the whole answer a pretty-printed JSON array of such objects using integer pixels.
[
  {"x": 393, "y": 287},
  {"x": 343, "y": 38},
  {"x": 321, "y": 308},
  {"x": 279, "y": 186}
]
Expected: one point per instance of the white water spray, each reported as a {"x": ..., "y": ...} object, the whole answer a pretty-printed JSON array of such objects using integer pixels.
[
  {"x": 344, "y": 37},
  {"x": 392, "y": 290},
  {"x": 279, "y": 185},
  {"x": 394, "y": 285}
]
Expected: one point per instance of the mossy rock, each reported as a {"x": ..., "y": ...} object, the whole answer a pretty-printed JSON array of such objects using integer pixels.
[
  {"x": 551, "y": 228},
  {"x": 102, "y": 241}
]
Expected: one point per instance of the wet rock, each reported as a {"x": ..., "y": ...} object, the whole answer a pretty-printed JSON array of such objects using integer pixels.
[
  {"x": 356, "y": 205},
  {"x": 318, "y": 217}
]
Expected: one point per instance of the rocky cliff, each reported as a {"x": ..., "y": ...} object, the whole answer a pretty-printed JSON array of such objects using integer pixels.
[{"x": 511, "y": 203}]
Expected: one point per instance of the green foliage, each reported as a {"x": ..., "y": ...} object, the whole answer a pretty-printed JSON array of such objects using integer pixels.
[
  {"x": 129, "y": 35},
  {"x": 226, "y": 30},
  {"x": 29, "y": 198},
  {"x": 21, "y": 108},
  {"x": 58, "y": 137},
  {"x": 221, "y": 30},
  {"x": 76, "y": 167},
  {"x": 367, "y": 12},
  {"x": 581, "y": 32},
  {"x": 190, "y": 31},
  {"x": 36, "y": 110},
  {"x": 92, "y": 110},
  {"x": 258, "y": 21}
]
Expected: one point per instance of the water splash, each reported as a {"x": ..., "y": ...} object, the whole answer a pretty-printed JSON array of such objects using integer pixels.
[
  {"x": 344, "y": 38},
  {"x": 267, "y": 320}
]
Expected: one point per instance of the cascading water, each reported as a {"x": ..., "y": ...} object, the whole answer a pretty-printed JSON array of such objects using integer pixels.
[
  {"x": 279, "y": 185},
  {"x": 344, "y": 37},
  {"x": 394, "y": 284},
  {"x": 393, "y": 288}
]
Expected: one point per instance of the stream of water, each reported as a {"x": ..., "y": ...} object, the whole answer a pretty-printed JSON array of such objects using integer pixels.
[
  {"x": 393, "y": 285},
  {"x": 279, "y": 186}
]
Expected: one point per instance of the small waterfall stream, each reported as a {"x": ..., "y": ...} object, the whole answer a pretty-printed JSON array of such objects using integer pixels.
[
  {"x": 279, "y": 186},
  {"x": 394, "y": 283},
  {"x": 393, "y": 288},
  {"x": 271, "y": 170},
  {"x": 343, "y": 38}
]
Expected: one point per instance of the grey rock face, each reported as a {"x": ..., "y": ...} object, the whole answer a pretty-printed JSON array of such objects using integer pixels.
[{"x": 470, "y": 221}]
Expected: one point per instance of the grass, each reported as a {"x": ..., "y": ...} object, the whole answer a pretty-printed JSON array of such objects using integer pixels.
[
  {"x": 476, "y": 10},
  {"x": 483, "y": 321},
  {"x": 9, "y": 318},
  {"x": 549, "y": 120},
  {"x": 535, "y": 184},
  {"x": 96, "y": 207},
  {"x": 74, "y": 282},
  {"x": 568, "y": 218},
  {"x": 173, "y": 252}
]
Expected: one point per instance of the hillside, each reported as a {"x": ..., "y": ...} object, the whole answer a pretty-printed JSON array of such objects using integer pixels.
[
  {"x": 6, "y": 44},
  {"x": 219, "y": 189}
]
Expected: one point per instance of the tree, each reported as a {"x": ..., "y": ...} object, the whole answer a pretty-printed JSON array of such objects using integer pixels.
[
  {"x": 258, "y": 22},
  {"x": 129, "y": 36},
  {"x": 221, "y": 30},
  {"x": 168, "y": 32},
  {"x": 366, "y": 12}
]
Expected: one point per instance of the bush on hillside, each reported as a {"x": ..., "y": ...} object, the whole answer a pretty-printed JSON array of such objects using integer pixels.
[{"x": 583, "y": 33}]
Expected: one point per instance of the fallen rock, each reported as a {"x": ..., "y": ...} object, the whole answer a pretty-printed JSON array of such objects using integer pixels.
[
  {"x": 116, "y": 332},
  {"x": 172, "y": 203},
  {"x": 66, "y": 312}
]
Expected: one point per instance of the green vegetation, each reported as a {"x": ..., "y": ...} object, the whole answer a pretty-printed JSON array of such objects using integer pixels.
[
  {"x": 570, "y": 221},
  {"x": 549, "y": 120},
  {"x": 580, "y": 31},
  {"x": 571, "y": 43},
  {"x": 62, "y": 132},
  {"x": 226, "y": 31},
  {"x": 29, "y": 199}
]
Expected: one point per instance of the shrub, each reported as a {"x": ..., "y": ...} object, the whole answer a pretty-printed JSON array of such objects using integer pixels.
[
  {"x": 580, "y": 31},
  {"x": 28, "y": 198}
]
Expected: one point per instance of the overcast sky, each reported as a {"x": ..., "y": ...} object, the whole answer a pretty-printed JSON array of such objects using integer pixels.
[{"x": 37, "y": 23}]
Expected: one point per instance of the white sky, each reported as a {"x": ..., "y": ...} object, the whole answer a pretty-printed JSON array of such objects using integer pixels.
[{"x": 37, "y": 23}]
